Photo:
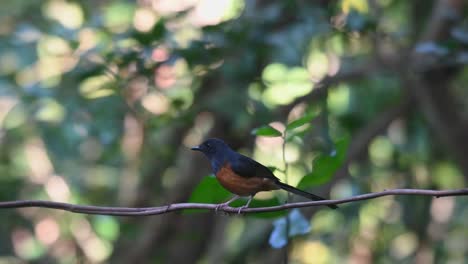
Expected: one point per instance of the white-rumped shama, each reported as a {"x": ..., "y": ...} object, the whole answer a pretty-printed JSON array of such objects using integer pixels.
[{"x": 242, "y": 175}]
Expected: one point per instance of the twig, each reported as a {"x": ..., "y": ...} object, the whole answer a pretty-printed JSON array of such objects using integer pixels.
[
  {"x": 288, "y": 197},
  {"x": 126, "y": 211}
]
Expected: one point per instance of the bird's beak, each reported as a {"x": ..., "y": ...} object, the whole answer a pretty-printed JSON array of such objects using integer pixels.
[{"x": 196, "y": 148}]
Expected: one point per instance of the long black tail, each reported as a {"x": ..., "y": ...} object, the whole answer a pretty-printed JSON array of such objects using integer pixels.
[{"x": 302, "y": 193}]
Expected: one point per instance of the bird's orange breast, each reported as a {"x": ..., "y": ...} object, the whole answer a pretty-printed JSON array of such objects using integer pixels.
[{"x": 243, "y": 186}]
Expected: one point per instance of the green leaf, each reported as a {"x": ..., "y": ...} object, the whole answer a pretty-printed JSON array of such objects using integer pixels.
[
  {"x": 300, "y": 122},
  {"x": 266, "y": 131},
  {"x": 209, "y": 191},
  {"x": 325, "y": 166},
  {"x": 274, "y": 168},
  {"x": 297, "y": 134}
]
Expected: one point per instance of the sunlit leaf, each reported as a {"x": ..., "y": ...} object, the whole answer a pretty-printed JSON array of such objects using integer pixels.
[
  {"x": 325, "y": 166},
  {"x": 284, "y": 84},
  {"x": 297, "y": 134},
  {"x": 273, "y": 168},
  {"x": 298, "y": 225},
  {"x": 50, "y": 111},
  {"x": 300, "y": 122},
  {"x": 266, "y": 131},
  {"x": 99, "y": 93}
]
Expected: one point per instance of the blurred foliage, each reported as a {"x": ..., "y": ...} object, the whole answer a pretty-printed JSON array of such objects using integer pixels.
[
  {"x": 101, "y": 100},
  {"x": 325, "y": 166}
]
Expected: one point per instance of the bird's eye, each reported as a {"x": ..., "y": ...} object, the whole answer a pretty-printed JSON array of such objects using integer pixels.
[{"x": 208, "y": 145}]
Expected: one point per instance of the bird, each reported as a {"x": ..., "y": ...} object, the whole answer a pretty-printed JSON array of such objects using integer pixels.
[{"x": 242, "y": 175}]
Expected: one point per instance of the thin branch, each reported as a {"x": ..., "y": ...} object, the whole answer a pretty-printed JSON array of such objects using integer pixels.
[
  {"x": 288, "y": 197},
  {"x": 126, "y": 211}
]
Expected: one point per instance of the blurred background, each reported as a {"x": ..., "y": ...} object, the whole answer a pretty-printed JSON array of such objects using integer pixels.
[{"x": 100, "y": 102}]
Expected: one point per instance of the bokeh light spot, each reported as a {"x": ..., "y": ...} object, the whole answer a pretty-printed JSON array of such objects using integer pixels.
[
  {"x": 144, "y": 19},
  {"x": 284, "y": 84},
  {"x": 52, "y": 46},
  {"x": 96, "y": 86},
  {"x": 88, "y": 39},
  {"x": 318, "y": 65},
  {"x": 381, "y": 151},
  {"x": 50, "y": 111},
  {"x": 160, "y": 54},
  {"x": 57, "y": 189},
  {"x": 338, "y": 99},
  {"x": 403, "y": 245},
  {"x": 118, "y": 16},
  {"x": 107, "y": 227},
  {"x": 442, "y": 209},
  {"x": 165, "y": 76},
  {"x": 69, "y": 14},
  {"x": 447, "y": 176},
  {"x": 47, "y": 231},
  {"x": 358, "y": 5},
  {"x": 40, "y": 166},
  {"x": 311, "y": 252},
  {"x": 24, "y": 244},
  {"x": 156, "y": 103},
  {"x": 212, "y": 12}
]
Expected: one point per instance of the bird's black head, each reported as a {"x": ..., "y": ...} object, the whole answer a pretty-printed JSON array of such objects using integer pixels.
[{"x": 213, "y": 148}]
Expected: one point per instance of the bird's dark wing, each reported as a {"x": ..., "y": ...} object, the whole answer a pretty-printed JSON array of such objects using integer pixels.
[{"x": 247, "y": 167}]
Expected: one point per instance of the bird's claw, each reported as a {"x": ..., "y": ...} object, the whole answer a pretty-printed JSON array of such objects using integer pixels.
[
  {"x": 224, "y": 205},
  {"x": 241, "y": 208},
  {"x": 220, "y": 206}
]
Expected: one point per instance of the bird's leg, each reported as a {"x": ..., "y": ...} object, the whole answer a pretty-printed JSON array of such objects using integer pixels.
[
  {"x": 221, "y": 205},
  {"x": 245, "y": 205}
]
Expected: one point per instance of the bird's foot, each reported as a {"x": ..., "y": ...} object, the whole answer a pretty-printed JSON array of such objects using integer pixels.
[
  {"x": 241, "y": 208},
  {"x": 221, "y": 206},
  {"x": 245, "y": 205},
  {"x": 225, "y": 204}
]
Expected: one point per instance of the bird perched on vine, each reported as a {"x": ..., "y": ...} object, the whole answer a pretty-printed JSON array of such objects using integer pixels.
[{"x": 242, "y": 175}]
